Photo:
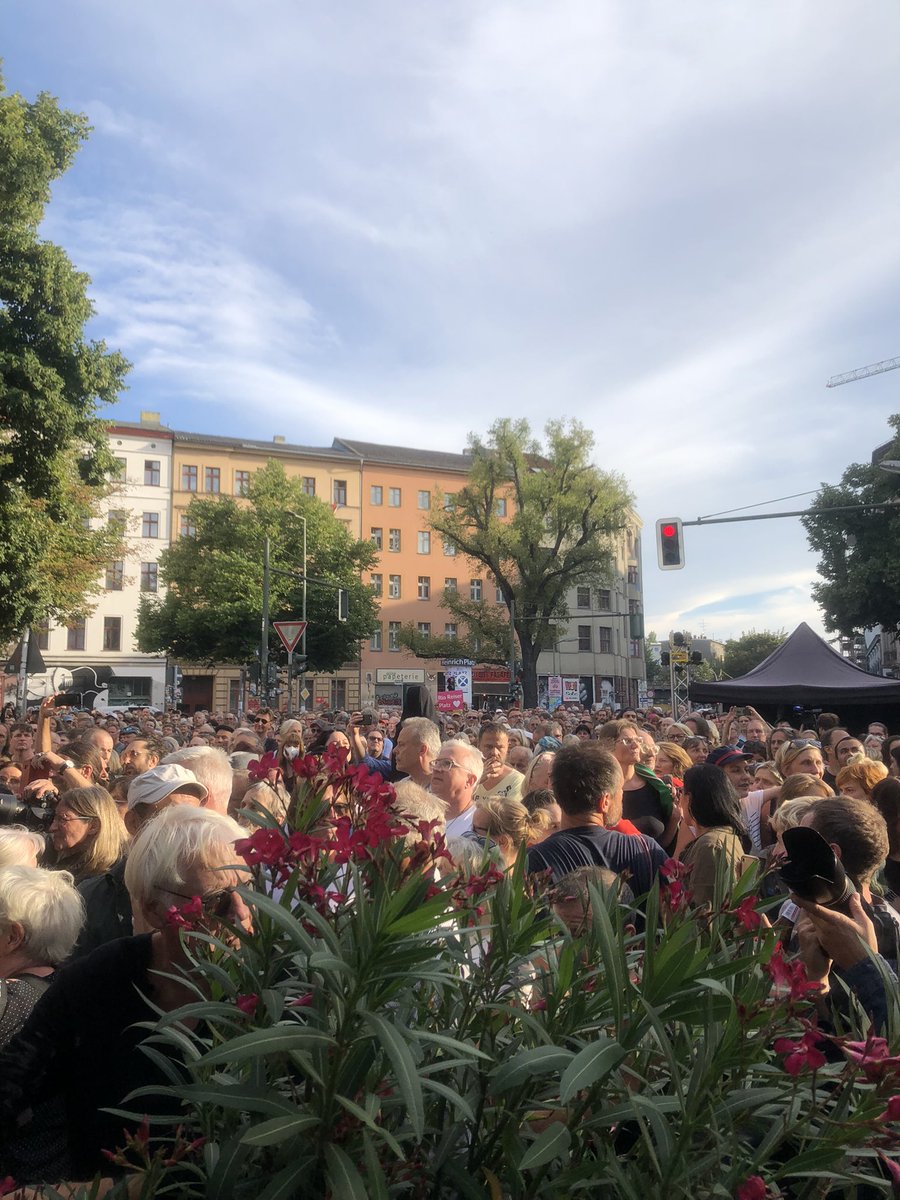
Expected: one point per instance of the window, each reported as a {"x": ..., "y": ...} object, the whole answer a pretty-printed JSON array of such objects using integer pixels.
[
  {"x": 375, "y": 639},
  {"x": 118, "y": 471},
  {"x": 584, "y": 637},
  {"x": 393, "y": 497},
  {"x": 150, "y": 525},
  {"x": 634, "y": 648},
  {"x": 583, "y": 597},
  {"x": 634, "y": 607},
  {"x": 425, "y": 628},
  {"x": 393, "y": 635},
  {"x": 149, "y": 577},
  {"x": 450, "y": 584},
  {"x": 188, "y": 478},
  {"x": 500, "y": 506},
  {"x": 41, "y": 635},
  {"x": 75, "y": 636},
  {"x": 151, "y": 472},
  {"x": 339, "y": 693},
  {"x": 212, "y": 479},
  {"x": 474, "y": 589},
  {"x": 498, "y": 595},
  {"x": 377, "y": 536},
  {"x": 451, "y": 630},
  {"x": 309, "y": 489},
  {"x": 633, "y": 575},
  {"x": 186, "y": 526},
  {"x": 339, "y": 492},
  {"x": 393, "y": 587},
  {"x": 423, "y": 500},
  {"x": 604, "y": 639},
  {"x": 376, "y": 495},
  {"x": 376, "y": 582},
  {"x": 604, "y": 600},
  {"x": 117, "y": 517},
  {"x": 112, "y": 633},
  {"x": 241, "y": 483},
  {"x": 394, "y": 540},
  {"x": 424, "y": 540},
  {"x": 449, "y": 549},
  {"x": 115, "y": 576},
  {"x": 424, "y": 587},
  {"x": 450, "y": 502}
]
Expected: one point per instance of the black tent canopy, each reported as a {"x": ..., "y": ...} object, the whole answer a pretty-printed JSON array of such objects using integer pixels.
[{"x": 804, "y": 673}]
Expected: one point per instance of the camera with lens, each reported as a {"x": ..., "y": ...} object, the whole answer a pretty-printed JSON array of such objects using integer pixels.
[
  {"x": 35, "y": 815},
  {"x": 813, "y": 871}
]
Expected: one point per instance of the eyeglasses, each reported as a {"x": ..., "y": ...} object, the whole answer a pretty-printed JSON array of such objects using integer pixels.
[
  {"x": 446, "y": 764},
  {"x": 804, "y": 743},
  {"x": 630, "y": 741},
  {"x": 57, "y": 819},
  {"x": 214, "y": 904}
]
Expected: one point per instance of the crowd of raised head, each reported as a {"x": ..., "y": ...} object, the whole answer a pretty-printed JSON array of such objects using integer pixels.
[{"x": 111, "y": 820}]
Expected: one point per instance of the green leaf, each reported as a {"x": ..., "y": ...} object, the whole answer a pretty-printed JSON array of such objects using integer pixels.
[
  {"x": 538, "y": 1060},
  {"x": 590, "y": 1065},
  {"x": 279, "y": 1039},
  {"x": 343, "y": 1178},
  {"x": 552, "y": 1143},
  {"x": 288, "y": 1183},
  {"x": 404, "y": 1067},
  {"x": 271, "y": 1133}
]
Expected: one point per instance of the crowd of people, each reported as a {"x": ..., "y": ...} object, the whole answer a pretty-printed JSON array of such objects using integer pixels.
[{"x": 108, "y": 821}]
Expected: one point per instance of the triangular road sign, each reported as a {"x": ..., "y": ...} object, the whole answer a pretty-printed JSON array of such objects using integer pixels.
[{"x": 290, "y": 632}]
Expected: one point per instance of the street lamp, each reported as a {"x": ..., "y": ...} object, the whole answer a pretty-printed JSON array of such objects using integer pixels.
[
  {"x": 264, "y": 635},
  {"x": 299, "y": 517}
]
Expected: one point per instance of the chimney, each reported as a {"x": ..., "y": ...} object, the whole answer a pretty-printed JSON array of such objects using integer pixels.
[
  {"x": 150, "y": 418},
  {"x": 279, "y": 437}
]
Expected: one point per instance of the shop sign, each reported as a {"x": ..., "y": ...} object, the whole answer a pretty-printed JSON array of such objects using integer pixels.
[
  {"x": 451, "y": 701},
  {"x": 399, "y": 675}
]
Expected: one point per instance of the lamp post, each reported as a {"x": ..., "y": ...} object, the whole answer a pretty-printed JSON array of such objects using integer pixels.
[{"x": 299, "y": 517}]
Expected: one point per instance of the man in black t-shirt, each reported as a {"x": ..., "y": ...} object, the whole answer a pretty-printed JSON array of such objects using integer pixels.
[{"x": 587, "y": 783}]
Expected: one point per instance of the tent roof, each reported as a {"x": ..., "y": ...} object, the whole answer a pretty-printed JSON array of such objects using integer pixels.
[{"x": 804, "y": 669}]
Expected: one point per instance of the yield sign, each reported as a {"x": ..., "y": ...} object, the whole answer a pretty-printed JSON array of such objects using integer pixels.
[{"x": 290, "y": 632}]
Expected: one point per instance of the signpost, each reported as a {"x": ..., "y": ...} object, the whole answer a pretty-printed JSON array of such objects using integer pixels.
[{"x": 290, "y": 633}]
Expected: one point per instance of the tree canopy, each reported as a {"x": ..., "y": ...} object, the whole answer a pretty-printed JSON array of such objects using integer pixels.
[
  {"x": 748, "y": 651},
  {"x": 210, "y": 612},
  {"x": 54, "y": 457},
  {"x": 559, "y": 528},
  {"x": 860, "y": 550}
]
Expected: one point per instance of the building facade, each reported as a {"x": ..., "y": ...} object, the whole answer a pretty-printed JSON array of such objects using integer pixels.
[{"x": 98, "y": 655}]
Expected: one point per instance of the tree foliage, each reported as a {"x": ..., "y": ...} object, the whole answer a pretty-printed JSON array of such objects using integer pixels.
[
  {"x": 859, "y": 551},
  {"x": 748, "y": 651},
  {"x": 54, "y": 458},
  {"x": 565, "y": 515},
  {"x": 483, "y": 636},
  {"x": 211, "y": 611}
]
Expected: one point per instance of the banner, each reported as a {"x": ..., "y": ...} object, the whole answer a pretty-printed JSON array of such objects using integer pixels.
[
  {"x": 459, "y": 679},
  {"x": 554, "y": 691},
  {"x": 570, "y": 691},
  {"x": 451, "y": 701}
]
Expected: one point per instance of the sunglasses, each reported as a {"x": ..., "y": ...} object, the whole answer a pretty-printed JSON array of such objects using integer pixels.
[
  {"x": 214, "y": 904},
  {"x": 799, "y": 743}
]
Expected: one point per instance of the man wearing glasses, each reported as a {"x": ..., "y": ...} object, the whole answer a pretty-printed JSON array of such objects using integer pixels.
[{"x": 454, "y": 774}]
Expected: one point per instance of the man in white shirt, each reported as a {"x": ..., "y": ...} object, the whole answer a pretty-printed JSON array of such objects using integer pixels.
[{"x": 454, "y": 774}]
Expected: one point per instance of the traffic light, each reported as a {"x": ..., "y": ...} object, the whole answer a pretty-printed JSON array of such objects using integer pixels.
[
  {"x": 636, "y": 626},
  {"x": 678, "y": 639},
  {"x": 669, "y": 544},
  {"x": 343, "y": 605},
  {"x": 664, "y": 658},
  {"x": 696, "y": 658}
]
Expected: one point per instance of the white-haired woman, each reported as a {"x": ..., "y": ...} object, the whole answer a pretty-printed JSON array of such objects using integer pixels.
[
  {"x": 20, "y": 847},
  {"x": 40, "y": 916},
  {"x": 82, "y": 1043}
]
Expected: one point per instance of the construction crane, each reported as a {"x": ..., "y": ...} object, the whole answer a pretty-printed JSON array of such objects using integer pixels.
[{"x": 889, "y": 364}]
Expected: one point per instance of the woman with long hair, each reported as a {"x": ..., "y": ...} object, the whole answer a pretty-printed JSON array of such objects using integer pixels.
[
  {"x": 506, "y": 823},
  {"x": 716, "y": 853}
]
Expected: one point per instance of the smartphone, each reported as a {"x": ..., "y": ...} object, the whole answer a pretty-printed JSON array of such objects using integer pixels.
[{"x": 67, "y": 700}]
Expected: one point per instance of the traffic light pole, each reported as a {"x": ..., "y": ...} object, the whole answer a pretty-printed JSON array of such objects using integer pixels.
[{"x": 264, "y": 636}]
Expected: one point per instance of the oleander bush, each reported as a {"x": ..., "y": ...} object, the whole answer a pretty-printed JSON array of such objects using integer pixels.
[{"x": 394, "y": 1027}]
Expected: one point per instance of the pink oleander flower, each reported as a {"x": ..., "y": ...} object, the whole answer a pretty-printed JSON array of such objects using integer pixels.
[
  {"x": 892, "y": 1112},
  {"x": 185, "y": 916},
  {"x": 749, "y": 919},
  {"x": 872, "y": 1056},
  {"x": 248, "y": 1003},
  {"x": 266, "y": 847},
  {"x": 801, "y": 1055},
  {"x": 790, "y": 977},
  {"x": 753, "y": 1188}
]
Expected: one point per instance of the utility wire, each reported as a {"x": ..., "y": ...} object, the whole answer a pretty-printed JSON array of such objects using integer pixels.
[{"x": 761, "y": 504}]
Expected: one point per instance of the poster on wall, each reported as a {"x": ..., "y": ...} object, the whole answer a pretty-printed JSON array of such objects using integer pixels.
[
  {"x": 570, "y": 690},
  {"x": 554, "y": 691},
  {"x": 451, "y": 701},
  {"x": 458, "y": 679}
]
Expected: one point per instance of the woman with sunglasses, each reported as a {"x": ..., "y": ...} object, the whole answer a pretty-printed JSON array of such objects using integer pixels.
[
  {"x": 800, "y": 757},
  {"x": 81, "y": 1048}
]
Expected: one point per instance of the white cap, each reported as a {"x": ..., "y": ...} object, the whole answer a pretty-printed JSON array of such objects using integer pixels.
[{"x": 155, "y": 785}]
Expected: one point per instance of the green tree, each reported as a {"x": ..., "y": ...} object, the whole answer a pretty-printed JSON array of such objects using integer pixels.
[
  {"x": 212, "y": 607},
  {"x": 748, "y": 651},
  {"x": 564, "y": 516},
  {"x": 54, "y": 459},
  {"x": 860, "y": 550}
]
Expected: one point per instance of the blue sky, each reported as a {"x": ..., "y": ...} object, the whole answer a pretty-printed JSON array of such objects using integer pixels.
[{"x": 399, "y": 222}]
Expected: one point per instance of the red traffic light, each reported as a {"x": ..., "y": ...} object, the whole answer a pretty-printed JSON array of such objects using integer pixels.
[
  {"x": 669, "y": 547},
  {"x": 668, "y": 531}
]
